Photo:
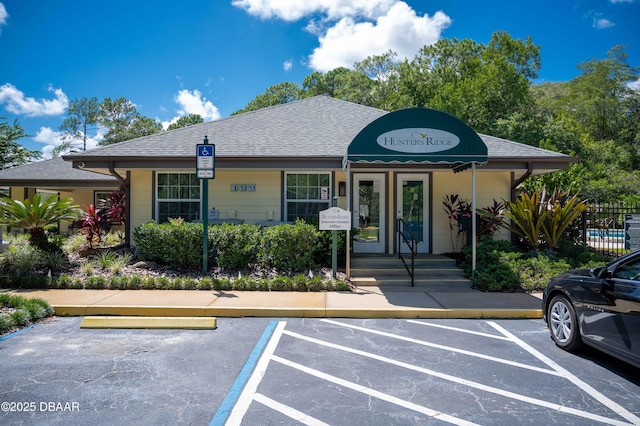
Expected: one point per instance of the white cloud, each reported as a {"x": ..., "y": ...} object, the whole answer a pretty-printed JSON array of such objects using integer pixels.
[
  {"x": 602, "y": 23},
  {"x": 349, "y": 31},
  {"x": 3, "y": 14},
  {"x": 192, "y": 102},
  {"x": 621, "y": 1},
  {"x": 17, "y": 103},
  {"x": 400, "y": 30},
  {"x": 52, "y": 139},
  {"x": 293, "y": 10},
  {"x": 287, "y": 65},
  {"x": 634, "y": 85},
  {"x": 195, "y": 103}
]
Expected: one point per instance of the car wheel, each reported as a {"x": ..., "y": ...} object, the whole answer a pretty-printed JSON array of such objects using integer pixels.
[{"x": 563, "y": 323}]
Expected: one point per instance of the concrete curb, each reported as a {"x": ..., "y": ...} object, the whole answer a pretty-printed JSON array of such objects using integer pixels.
[
  {"x": 187, "y": 323},
  {"x": 170, "y": 312}
]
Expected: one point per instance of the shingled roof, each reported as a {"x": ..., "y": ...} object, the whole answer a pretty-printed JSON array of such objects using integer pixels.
[
  {"x": 54, "y": 173},
  {"x": 320, "y": 127}
]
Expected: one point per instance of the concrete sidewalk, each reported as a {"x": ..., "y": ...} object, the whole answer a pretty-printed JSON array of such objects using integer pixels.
[{"x": 363, "y": 302}]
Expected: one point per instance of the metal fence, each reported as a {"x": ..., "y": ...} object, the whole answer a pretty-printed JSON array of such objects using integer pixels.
[{"x": 611, "y": 229}]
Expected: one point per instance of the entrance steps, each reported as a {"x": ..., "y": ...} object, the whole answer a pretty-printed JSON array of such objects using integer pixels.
[{"x": 431, "y": 271}]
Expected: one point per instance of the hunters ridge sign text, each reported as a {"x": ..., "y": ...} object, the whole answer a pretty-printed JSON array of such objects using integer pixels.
[{"x": 418, "y": 140}]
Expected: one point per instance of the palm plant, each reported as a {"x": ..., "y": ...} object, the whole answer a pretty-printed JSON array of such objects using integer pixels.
[{"x": 35, "y": 214}]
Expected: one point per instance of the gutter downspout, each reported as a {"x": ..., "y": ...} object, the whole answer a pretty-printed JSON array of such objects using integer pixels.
[
  {"x": 521, "y": 179},
  {"x": 127, "y": 201}
]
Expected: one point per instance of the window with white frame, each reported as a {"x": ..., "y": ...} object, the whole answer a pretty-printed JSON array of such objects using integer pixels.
[
  {"x": 306, "y": 194},
  {"x": 178, "y": 195}
]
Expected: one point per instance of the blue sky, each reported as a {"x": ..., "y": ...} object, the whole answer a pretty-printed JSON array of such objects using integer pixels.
[{"x": 212, "y": 57}]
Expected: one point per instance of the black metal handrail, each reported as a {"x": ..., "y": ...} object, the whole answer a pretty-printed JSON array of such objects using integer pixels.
[{"x": 412, "y": 244}]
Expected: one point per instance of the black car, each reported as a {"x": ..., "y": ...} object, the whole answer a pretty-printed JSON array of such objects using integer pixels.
[{"x": 599, "y": 307}]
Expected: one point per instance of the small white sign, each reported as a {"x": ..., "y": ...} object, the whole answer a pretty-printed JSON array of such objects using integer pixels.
[{"x": 335, "y": 219}]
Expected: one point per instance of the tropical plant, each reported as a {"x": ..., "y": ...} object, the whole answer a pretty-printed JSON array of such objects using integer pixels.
[
  {"x": 527, "y": 215},
  {"x": 563, "y": 209},
  {"x": 114, "y": 204},
  {"x": 492, "y": 218},
  {"x": 543, "y": 218},
  {"x": 35, "y": 214},
  {"x": 94, "y": 225},
  {"x": 455, "y": 207}
]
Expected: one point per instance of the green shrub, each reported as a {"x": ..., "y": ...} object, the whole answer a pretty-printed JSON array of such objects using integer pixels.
[
  {"x": 300, "y": 282},
  {"x": 176, "y": 284},
  {"x": 235, "y": 245},
  {"x": 20, "y": 317},
  {"x": 222, "y": 284},
  {"x": 21, "y": 260},
  {"x": 5, "y": 323},
  {"x": 205, "y": 283},
  {"x": 135, "y": 282},
  {"x": 189, "y": 284},
  {"x": 176, "y": 244},
  {"x": 281, "y": 283},
  {"x": 342, "y": 285},
  {"x": 289, "y": 247},
  {"x": 96, "y": 283},
  {"x": 62, "y": 282},
  {"x": 316, "y": 284},
  {"x": 148, "y": 283},
  {"x": 163, "y": 283}
]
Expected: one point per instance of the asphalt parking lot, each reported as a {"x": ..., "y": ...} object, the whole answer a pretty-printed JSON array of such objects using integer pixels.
[{"x": 257, "y": 371}]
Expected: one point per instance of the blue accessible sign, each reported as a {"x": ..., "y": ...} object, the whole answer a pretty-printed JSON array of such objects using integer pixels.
[{"x": 206, "y": 161}]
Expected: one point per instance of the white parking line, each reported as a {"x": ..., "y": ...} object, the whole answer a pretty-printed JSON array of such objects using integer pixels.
[
  {"x": 242, "y": 405},
  {"x": 374, "y": 393},
  {"x": 612, "y": 405},
  {"x": 290, "y": 412},
  {"x": 460, "y": 330},
  {"x": 472, "y": 384},
  {"x": 448, "y": 348}
]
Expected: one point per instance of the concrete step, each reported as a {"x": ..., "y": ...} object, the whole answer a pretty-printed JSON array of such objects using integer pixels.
[{"x": 389, "y": 271}]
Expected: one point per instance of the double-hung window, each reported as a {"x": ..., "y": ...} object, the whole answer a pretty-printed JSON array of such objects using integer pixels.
[
  {"x": 306, "y": 195},
  {"x": 178, "y": 195}
]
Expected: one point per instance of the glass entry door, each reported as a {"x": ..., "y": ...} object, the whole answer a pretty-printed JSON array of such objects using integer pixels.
[
  {"x": 369, "y": 201},
  {"x": 413, "y": 207}
]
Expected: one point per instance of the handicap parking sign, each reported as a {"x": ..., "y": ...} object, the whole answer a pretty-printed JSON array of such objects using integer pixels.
[{"x": 205, "y": 155}]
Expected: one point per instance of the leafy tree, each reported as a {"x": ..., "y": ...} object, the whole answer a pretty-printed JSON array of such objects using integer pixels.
[
  {"x": 187, "y": 120},
  {"x": 375, "y": 82},
  {"x": 81, "y": 115},
  {"x": 34, "y": 215},
  {"x": 328, "y": 84},
  {"x": 12, "y": 153},
  {"x": 274, "y": 95},
  {"x": 478, "y": 84},
  {"x": 123, "y": 122}
]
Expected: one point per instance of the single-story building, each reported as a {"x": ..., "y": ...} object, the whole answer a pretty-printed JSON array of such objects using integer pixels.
[
  {"x": 56, "y": 177},
  {"x": 289, "y": 161}
]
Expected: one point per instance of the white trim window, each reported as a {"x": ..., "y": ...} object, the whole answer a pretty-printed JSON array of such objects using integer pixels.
[
  {"x": 177, "y": 195},
  {"x": 306, "y": 194}
]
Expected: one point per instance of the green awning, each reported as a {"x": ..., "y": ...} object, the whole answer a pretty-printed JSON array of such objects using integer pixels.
[{"x": 420, "y": 136}]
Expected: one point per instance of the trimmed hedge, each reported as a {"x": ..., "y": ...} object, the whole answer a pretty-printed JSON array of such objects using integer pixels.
[
  {"x": 298, "y": 282},
  {"x": 295, "y": 247}
]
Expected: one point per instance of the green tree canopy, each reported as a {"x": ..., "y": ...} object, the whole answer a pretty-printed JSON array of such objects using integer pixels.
[
  {"x": 277, "y": 94},
  {"x": 11, "y": 152},
  {"x": 187, "y": 120},
  {"x": 82, "y": 114},
  {"x": 123, "y": 122}
]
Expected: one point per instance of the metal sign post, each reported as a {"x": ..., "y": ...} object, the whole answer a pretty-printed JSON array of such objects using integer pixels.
[{"x": 205, "y": 170}]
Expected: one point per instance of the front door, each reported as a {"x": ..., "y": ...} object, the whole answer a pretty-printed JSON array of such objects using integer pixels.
[
  {"x": 369, "y": 201},
  {"x": 412, "y": 202}
]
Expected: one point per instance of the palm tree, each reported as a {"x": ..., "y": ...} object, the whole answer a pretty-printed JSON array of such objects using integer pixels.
[{"x": 33, "y": 215}]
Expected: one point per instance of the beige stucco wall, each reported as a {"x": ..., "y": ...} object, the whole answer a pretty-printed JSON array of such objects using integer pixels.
[
  {"x": 252, "y": 206},
  {"x": 265, "y": 202},
  {"x": 489, "y": 186},
  {"x": 141, "y": 194}
]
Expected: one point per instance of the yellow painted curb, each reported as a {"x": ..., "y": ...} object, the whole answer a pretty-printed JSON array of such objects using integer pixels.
[{"x": 189, "y": 323}]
